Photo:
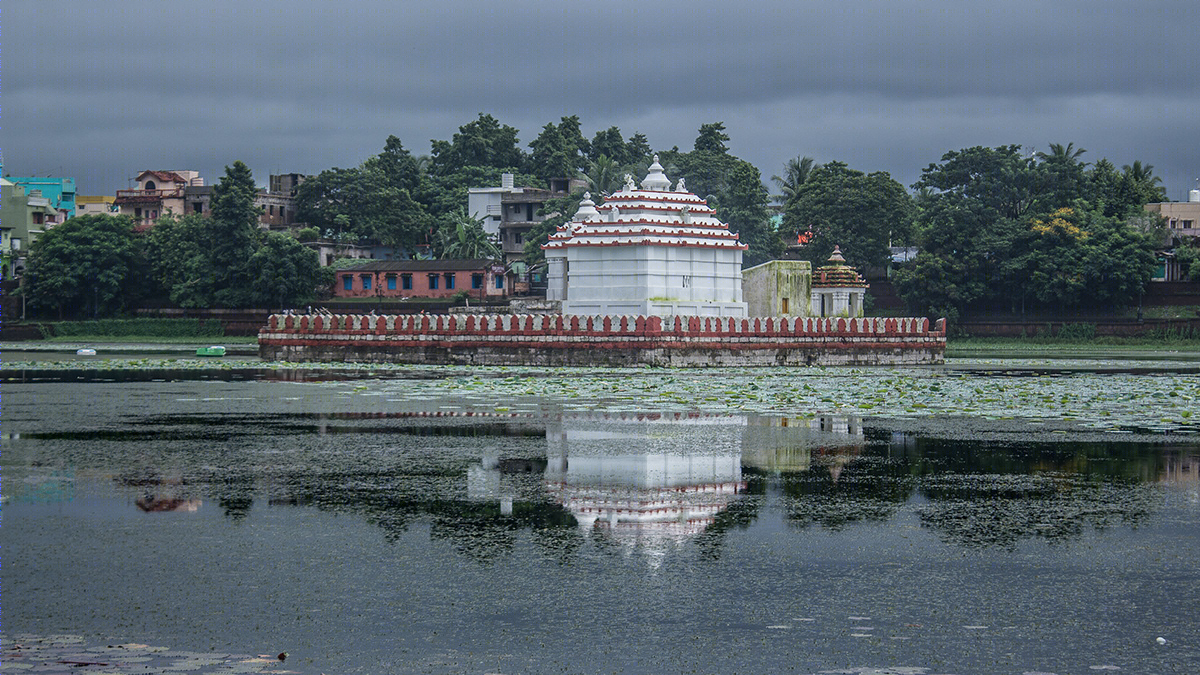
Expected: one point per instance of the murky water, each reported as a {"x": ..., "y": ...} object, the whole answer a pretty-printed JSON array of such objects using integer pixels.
[{"x": 460, "y": 524}]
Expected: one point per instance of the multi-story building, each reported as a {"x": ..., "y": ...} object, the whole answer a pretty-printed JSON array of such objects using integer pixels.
[
  {"x": 157, "y": 193},
  {"x": 1183, "y": 223},
  {"x": 59, "y": 193},
  {"x": 509, "y": 212},
  {"x": 96, "y": 205},
  {"x": 22, "y": 218},
  {"x": 183, "y": 192}
]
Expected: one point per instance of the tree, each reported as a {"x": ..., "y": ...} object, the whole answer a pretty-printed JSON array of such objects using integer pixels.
[
  {"x": 1140, "y": 184},
  {"x": 232, "y": 237},
  {"x": 285, "y": 273},
  {"x": 861, "y": 213},
  {"x": 1062, "y": 176},
  {"x": 463, "y": 238},
  {"x": 744, "y": 208},
  {"x": 609, "y": 143},
  {"x": 367, "y": 203},
  {"x": 175, "y": 249},
  {"x": 604, "y": 177},
  {"x": 559, "y": 151},
  {"x": 85, "y": 267},
  {"x": 795, "y": 172},
  {"x": 483, "y": 142}
]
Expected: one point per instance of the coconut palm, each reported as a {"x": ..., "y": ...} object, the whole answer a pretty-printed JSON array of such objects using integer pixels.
[
  {"x": 795, "y": 173},
  {"x": 603, "y": 176},
  {"x": 463, "y": 238}
]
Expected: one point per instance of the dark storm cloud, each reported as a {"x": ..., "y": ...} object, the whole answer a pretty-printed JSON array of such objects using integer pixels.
[{"x": 103, "y": 89}]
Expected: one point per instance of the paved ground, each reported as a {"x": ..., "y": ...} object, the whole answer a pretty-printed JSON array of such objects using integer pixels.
[{"x": 62, "y": 654}]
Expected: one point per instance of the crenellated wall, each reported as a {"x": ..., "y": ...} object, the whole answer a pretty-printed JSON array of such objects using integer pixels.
[{"x": 577, "y": 340}]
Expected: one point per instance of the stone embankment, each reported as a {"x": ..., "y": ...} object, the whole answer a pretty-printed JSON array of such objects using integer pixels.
[{"x": 573, "y": 340}]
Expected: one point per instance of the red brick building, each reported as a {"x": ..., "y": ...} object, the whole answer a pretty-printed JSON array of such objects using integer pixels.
[{"x": 421, "y": 279}]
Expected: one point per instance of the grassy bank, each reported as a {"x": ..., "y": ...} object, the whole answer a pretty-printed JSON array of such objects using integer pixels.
[
  {"x": 968, "y": 346},
  {"x": 152, "y": 339}
]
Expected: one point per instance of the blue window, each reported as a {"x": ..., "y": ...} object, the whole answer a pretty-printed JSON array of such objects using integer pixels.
[
  {"x": 450, "y": 280},
  {"x": 433, "y": 282},
  {"x": 391, "y": 282},
  {"x": 366, "y": 282},
  {"x": 477, "y": 281},
  {"x": 406, "y": 282},
  {"x": 499, "y": 281},
  {"x": 347, "y": 283}
]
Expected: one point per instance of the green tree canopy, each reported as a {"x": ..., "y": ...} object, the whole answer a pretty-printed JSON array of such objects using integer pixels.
[
  {"x": 284, "y": 273},
  {"x": 483, "y": 142},
  {"x": 744, "y": 208},
  {"x": 862, "y": 213},
  {"x": 84, "y": 267}
]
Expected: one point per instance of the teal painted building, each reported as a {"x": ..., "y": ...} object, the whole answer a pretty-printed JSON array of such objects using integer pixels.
[{"x": 60, "y": 192}]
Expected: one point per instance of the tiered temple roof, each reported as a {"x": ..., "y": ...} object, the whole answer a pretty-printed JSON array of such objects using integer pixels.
[
  {"x": 654, "y": 215},
  {"x": 837, "y": 274}
]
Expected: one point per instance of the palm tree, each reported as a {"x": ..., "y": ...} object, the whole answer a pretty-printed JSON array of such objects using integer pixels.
[
  {"x": 1062, "y": 154},
  {"x": 795, "y": 173},
  {"x": 1141, "y": 173},
  {"x": 464, "y": 238},
  {"x": 603, "y": 176}
]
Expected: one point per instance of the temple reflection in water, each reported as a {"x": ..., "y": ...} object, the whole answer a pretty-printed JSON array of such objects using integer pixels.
[{"x": 649, "y": 479}]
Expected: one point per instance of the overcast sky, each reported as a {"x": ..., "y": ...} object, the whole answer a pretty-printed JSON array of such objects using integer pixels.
[{"x": 100, "y": 90}]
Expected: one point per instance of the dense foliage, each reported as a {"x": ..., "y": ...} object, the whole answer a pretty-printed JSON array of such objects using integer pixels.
[
  {"x": 85, "y": 267},
  {"x": 997, "y": 228},
  {"x": 1005, "y": 231}
]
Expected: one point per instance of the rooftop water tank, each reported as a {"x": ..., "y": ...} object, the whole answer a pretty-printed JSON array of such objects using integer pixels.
[{"x": 1194, "y": 196}]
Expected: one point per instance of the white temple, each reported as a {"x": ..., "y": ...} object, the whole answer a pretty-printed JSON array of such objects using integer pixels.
[{"x": 647, "y": 251}]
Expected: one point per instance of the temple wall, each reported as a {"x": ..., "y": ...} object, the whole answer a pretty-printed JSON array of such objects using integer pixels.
[
  {"x": 573, "y": 340},
  {"x": 617, "y": 279}
]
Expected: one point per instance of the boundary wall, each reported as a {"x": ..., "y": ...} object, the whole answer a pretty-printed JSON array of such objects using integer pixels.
[{"x": 580, "y": 340}]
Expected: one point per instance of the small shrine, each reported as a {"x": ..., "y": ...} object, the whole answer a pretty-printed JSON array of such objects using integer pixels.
[
  {"x": 837, "y": 288},
  {"x": 647, "y": 250}
]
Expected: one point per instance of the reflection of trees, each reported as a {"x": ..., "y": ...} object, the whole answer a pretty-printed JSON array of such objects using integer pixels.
[
  {"x": 868, "y": 488},
  {"x": 982, "y": 495}
]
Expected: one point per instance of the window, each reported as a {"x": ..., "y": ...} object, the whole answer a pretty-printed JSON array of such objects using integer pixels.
[
  {"x": 687, "y": 281},
  {"x": 197, "y": 207},
  {"x": 391, "y": 281},
  {"x": 785, "y": 306},
  {"x": 476, "y": 281},
  {"x": 149, "y": 185},
  {"x": 449, "y": 281},
  {"x": 1186, "y": 224},
  {"x": 519, "y": 237},
  {"x": 347, "y": 283},
  {"x": 433, "y": 282},
  {"x": 406, "y": 282},
  {"x": 137, "y": 213},
  {"x": 499, "y": 281},
  {"x": 366, "y": 281}
]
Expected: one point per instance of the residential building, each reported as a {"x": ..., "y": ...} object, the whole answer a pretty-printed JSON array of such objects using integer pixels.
[
  {"x": 23, "y": 217},
  {"x": 1183, "y": 218},
  {"x": 421, "y": 279},
  {"x": 58, "y": 192},
  {"x": 157, "y": 193},
  {"x": 1183, "y": 222},
  {"x": 182, "y": 192},
  {"x": 92, "y": 205},
  {"x": 509, "y": 212},
  {"x": 278, "y": 206},
  {"x": 647, "y": 251}
]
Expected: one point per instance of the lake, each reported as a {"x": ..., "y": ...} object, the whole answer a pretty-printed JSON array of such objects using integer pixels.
[{"x": 989, "y": 516}]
